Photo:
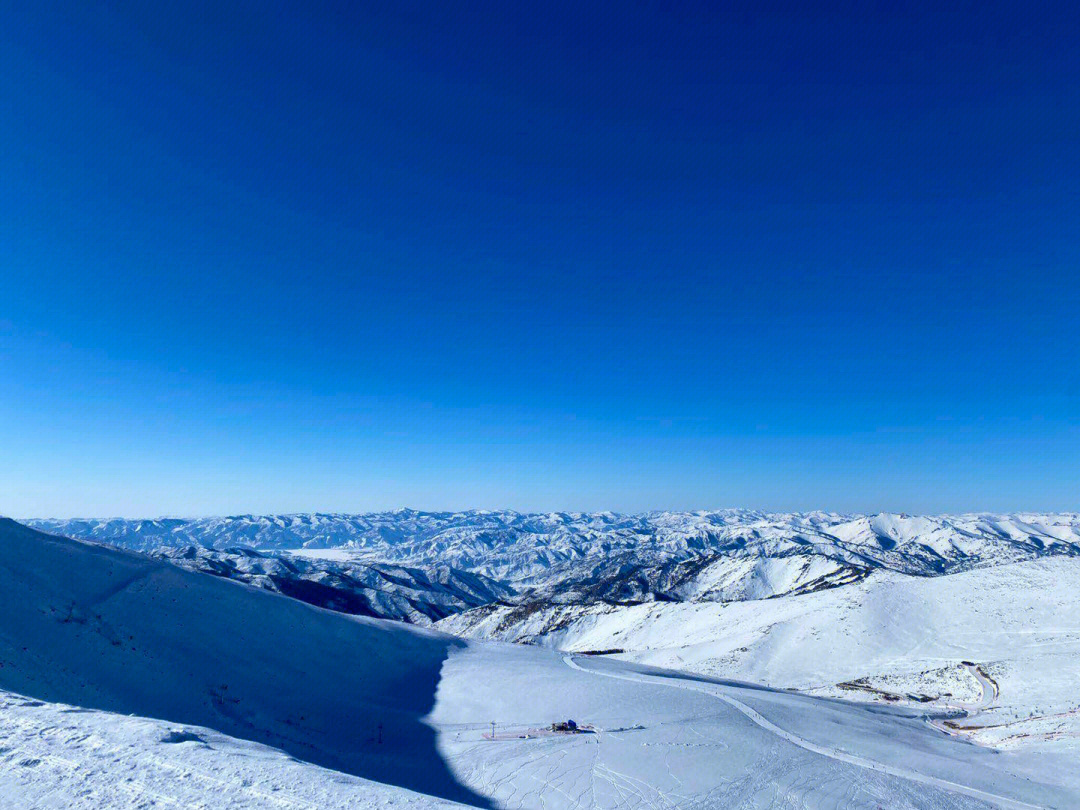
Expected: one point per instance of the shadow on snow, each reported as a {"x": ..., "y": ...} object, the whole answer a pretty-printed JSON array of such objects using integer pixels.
[{"x": 106, "y": 629}]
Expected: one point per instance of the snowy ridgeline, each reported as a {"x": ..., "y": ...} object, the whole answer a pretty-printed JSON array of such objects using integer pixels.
[
  {"x": 127, "y": 681},
  {"x": 530, "y": 549},
  {"x": 475, "y": 558}
]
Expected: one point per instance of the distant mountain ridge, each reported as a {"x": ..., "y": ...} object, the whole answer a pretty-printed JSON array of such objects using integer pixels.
[{"x": 577, "y": 557}]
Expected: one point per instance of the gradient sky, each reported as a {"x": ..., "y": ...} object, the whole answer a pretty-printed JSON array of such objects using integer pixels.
[{"x": 298, "y": 256}]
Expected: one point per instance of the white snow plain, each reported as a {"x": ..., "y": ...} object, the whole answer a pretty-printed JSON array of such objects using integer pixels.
[{"x": 128, "y": 682}]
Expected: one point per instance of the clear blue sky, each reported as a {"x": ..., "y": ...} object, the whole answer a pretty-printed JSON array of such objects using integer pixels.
[{"x": 296, "y": 256}]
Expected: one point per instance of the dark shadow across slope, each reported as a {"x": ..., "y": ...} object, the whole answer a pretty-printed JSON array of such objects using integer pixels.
[{"x": 107, "y": 629}]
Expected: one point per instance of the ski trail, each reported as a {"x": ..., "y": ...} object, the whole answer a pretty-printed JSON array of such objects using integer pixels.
[
  {"x": 989, "y": 687},
  {"x": 832, "y": 753},
  {"x": 987, "y": 699}
]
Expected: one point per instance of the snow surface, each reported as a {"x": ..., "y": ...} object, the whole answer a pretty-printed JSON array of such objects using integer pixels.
[
  {"x": 245, "y": 698},
  {"x": 888, "y": 636},
  {"x": 59, "y": 757},
  {"x": 92, "y": 626}
]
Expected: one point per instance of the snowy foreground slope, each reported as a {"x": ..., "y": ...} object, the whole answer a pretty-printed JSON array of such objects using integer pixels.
[
  {"x": 95, "y": 627},
  {"x": 129, "y": 682}
]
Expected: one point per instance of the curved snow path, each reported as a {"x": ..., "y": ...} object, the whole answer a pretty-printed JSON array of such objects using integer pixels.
[
  {"x": 831, "y": 753},
  {"x": 989, "y": 687},
  {"x": 987, "y": 699}
]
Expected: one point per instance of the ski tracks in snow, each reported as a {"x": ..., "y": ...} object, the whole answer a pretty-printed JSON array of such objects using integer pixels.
[{"x": 832, "y": 753}]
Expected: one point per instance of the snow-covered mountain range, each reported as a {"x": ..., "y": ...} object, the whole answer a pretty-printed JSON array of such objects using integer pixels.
[
  {"x": 870, "y": 607},
  {"x": 585, "y": 558},
  {"x": 126, "y": 681}
]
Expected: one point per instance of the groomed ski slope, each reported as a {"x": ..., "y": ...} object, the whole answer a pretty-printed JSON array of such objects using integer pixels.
[
  {"x": 831, "y": 753},
  {"x": 668, "y": 740},
  {"x": 243, "y": 698},
  {"x": 896, "y": 634}
]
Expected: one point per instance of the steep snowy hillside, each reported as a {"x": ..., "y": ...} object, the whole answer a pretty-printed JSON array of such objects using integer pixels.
[
  {"x": 889, "y": 637},
  {"x": 373, "y": 712},
  {"x": 96, "y": 627},
  {"x": 378, "y": 590}
]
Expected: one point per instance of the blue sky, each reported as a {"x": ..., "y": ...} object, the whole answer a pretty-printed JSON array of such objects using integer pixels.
[{"x": 298, "y": 256}]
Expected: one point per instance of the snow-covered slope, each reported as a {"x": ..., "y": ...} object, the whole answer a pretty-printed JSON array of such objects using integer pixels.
[
  {"x": 55, "y": 756},
  {"x": 381, "y": 590},
  {"x": 889, "y": 636},
  {"x": 90, "y": 635},
  {"x": 93, "y": 626}
]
